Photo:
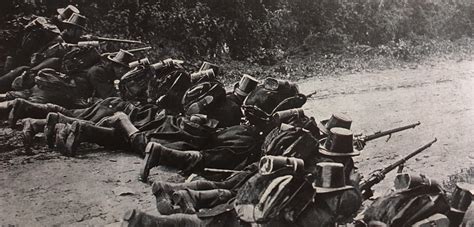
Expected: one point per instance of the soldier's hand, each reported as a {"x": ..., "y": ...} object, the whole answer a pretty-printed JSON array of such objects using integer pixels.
[
  {"x": 88, "y": 37},
  {"x": 359, "y": 144},
  {"x": 355, "y": 177}
]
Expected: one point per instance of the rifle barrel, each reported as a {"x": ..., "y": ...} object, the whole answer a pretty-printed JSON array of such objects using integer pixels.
[
  {"x": 118, "y": 40},
  {"x": 221, "y": 170},
  {"x": 388, "y": 132},
  {"x": 130, "y": 50},
  {"x": 375, "y": 179}
]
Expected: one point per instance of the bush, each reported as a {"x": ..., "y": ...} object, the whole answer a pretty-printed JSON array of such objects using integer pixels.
[{"x": 258, "y": 31}]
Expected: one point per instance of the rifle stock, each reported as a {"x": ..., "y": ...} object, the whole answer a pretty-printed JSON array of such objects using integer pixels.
[{"x": 378, "y": 175}]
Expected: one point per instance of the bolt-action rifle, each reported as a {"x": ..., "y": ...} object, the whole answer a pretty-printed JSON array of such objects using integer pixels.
[
  {"x": 104, "y": 39},
  {"x": 360, "y": 140},
  {"x": 379, "y": 175},
  {"x": 129, "y": 50}
]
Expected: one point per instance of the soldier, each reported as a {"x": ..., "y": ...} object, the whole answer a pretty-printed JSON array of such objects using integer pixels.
[
  {"x": 38, "y": 33},
  {"x": 338, "y": 147},
  {"x": 102, "y": 76},
  {"x": 50, "y": 86},
  {"x": 193, "y": 196},
  {"x": 169, "y": 78},
  {"x": 42, "y": 54},
  {"x": 415, "y": 199},
  {"x": 330, "y": 201},
  {"x": 233, "y": 146},
  {"x": 228, "y": 113}
]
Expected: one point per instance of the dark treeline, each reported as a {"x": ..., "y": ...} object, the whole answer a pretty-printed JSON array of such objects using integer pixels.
[{"x": 258, "y": 30}]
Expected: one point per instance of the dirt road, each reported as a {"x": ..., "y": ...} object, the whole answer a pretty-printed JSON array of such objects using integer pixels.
[{"x": 97, "y": 187}]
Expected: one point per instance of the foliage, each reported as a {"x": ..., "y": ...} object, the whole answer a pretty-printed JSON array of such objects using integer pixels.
[{"x": 264, "y": 31}]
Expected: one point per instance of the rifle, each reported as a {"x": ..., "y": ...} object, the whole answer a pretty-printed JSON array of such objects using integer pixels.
[
  {"x": 360, "y": 140},
  {"x": 222, "y": 170},
  {"x": 83, "y": 44},
  {"x": 379, "y": 175},
  {"x": 98, "y": 38},
  {"x": 130, "y": 50}
]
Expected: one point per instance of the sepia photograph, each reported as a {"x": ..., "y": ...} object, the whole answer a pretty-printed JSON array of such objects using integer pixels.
[{"x": 237, "y": 113}]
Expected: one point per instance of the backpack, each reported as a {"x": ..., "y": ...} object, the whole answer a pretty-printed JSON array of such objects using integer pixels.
[
  {"x": 79, "y": 59},
  {"x": 405, "y": 207}
]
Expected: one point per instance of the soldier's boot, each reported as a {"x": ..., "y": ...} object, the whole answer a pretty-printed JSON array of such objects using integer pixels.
[
  {"x": 136, "y": 218},
  {"x": 51, "y": 120},
  {"x": 61, "y": 131},
  {"x": 157, "y": 154},
  {"x": 81, "y": 131},
  {"x": 5, "y": 108},
  {"x": 191, "y": 201},
  {"x": 22, "y": 108},
  {"x": 124, "y": 126},
  {"x": 30, "y": 128},
  {"x": 164, "y": 190}
]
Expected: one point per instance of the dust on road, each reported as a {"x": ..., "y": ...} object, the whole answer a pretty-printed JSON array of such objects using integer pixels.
[{"x": 98, "y": 186}]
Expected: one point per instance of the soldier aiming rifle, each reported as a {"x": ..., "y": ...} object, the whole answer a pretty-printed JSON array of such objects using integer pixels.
[
  {"x": 378, "y": 175},
  {"x": 360, "y": 140}
]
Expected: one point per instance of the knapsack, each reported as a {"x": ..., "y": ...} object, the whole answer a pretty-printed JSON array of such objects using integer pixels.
[{"x": 79, "y": 59}]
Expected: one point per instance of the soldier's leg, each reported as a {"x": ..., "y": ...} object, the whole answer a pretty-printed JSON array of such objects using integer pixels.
[
  {"x": 22, "y": 108},
  {"x": 53, "y": 63},
  {"x": 30, "y": 128},
  {"x": 7, "y": 79},
  {"x": 81, "y": 131},
  {"x": 5, "y": 108},
  {"x": 136, "y": 218},
  {"x": 121, "y": 122},
  {"x": 164, "y": 190},
  {"x": 157, "y": 154},
  {"x": 191, "y": 201},
  {"x": 51, "y": 120}
]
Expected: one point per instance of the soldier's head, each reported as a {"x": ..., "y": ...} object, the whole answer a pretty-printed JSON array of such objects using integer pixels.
[
  {"x": 339, "y": 147},
  {"x": 74, "y": 27},
  {"x": 120, "y": 62},
  {"x": 168, "y": 86},
  {"x": 267, "y": 98}
]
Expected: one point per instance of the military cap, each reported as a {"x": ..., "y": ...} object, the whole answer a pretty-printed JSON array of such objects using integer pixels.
[
  {"x": 246, "y": 84},
  {"x": 123, "y": 58},
  {"x": 338, "y": 143},
  {"x": 65, "y": 13},
  {"x": 337, "y": 120},
  {"x": 77, "y": 20},
  {"x": 330, "y": 178}
]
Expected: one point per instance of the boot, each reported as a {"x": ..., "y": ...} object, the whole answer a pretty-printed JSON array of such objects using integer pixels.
[
  {"x": 22, "y": 108},
  {"x": 51, "y": 120},
  {"x": 162, "y": 192},
  {"x": 124, "y": 126},
  {"x": 191, "y": 201},
  {"x": 30, "y": 128},
  {"x": 156, "y": 154},
  {"x": 5, "y": 108},
  {"x": 136, "y": 218},
  {"x": 62, "y": 132},
  {"x": 81, "y": 131}
]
